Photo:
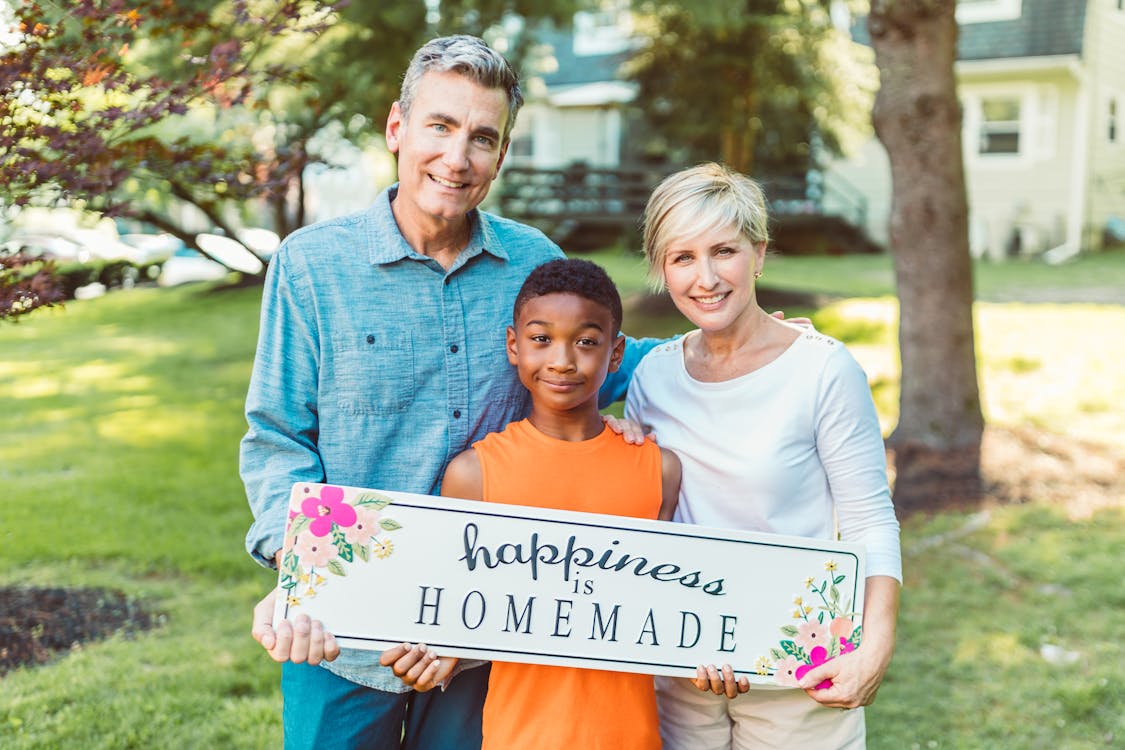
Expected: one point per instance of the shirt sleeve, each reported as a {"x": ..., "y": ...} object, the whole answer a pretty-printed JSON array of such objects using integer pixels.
[
  {"x": 850, "y": 445},
  {"x": 617, "y": 383},
  {"x": 279, "y": 447}
]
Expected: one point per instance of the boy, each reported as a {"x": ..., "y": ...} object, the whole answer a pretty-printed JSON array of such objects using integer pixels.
[{"x": 564, "y": 340}]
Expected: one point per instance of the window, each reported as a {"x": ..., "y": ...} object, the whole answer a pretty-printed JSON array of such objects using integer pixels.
[
  {"x": 999, "y": 126},
  {"x": 980, "y": 11}
]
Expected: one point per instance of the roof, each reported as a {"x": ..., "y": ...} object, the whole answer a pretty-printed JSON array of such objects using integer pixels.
[
  {"x": 1044, "y": 28},
  {"x": 574, "y": 69}
]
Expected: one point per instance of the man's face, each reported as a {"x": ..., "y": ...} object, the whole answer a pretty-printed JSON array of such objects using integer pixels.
[{"x": 449, "y": 149}]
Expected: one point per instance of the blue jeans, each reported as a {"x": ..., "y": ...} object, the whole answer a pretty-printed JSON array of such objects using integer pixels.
[{"x": 323, "y": 711}]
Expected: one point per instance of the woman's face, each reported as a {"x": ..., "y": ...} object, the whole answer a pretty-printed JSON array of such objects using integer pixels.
[{"x": 710, "y": 277}]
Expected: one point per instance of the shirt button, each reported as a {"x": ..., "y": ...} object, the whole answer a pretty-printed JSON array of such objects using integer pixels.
[
  {"x": 456, "y": 413},
  {"x": 453, "y": 348},
  {"x": 370, "y": 339}
]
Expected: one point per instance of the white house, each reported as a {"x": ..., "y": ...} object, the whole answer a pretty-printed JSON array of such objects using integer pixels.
[{"x": 1042, "y": 85}]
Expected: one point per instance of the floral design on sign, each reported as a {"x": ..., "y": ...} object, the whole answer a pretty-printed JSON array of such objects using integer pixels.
[
  {"x": 822, "y": 632},
  {"x": 327, "y": 531}
]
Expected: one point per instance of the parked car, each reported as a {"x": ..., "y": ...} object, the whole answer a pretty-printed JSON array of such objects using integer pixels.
[{"x": 187, "y": 265}]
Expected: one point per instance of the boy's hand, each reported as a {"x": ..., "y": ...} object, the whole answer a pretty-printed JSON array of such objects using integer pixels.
[
  {"x": 301, "y": 641},
  {"x": 628, "y": 428},
  {"x": 719, "y": 682},
  {"x": 418, "y": 667}
]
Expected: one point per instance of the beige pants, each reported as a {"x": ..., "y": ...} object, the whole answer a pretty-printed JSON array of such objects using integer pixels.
[{"x": 762, "y": 718}]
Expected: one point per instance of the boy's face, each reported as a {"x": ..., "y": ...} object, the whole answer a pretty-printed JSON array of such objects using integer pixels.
[{"x": 563, "y": 345}]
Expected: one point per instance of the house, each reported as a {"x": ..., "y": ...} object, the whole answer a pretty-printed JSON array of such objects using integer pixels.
[{"x": 1042, "y": 86}]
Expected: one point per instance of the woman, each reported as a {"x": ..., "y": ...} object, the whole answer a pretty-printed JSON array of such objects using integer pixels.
[{"x": 777, "y": 432}]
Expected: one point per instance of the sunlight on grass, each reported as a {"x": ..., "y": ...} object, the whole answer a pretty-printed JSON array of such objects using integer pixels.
[{"x": 122, "y": 418}]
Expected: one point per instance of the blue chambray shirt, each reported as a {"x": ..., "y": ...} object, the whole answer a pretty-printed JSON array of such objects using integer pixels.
[{"x": 375, "y": 367}]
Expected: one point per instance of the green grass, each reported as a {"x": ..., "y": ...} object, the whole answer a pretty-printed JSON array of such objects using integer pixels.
[{"x": 122, "y": 417}]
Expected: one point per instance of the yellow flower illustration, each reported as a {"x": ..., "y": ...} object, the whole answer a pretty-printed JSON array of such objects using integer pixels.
[
  {"x": 796, "y": 614},
  {"x": 311, "y": 592},
  {"x": 809, "y": 582},
  {"x": 762, "y": 666},
  {"x": 382, "y": 549},
  {"x": 293, "y": 601},
  {"x": 807, "y": 609},
  {"x": 830, "y": 565},
  {"x": 797, "y": 600},
  {"x": 319, "y": 579},
  {"x": 303, "y": 578}
]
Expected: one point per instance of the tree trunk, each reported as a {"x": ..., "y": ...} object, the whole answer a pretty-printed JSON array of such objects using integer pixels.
[{"x": 918, "y": 119}]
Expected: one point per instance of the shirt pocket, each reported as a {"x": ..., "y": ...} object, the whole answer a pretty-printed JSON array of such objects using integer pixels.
[{"x": 374, "y": 373}]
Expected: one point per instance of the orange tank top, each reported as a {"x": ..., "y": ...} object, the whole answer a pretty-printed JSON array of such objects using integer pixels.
[{"x": 566, "y": 708}]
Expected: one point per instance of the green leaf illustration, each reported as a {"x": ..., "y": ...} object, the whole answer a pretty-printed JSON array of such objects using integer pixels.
[
  {"x": 299, "y": 524},
  {"x": 793, "y": 649},
  {"x": 289, "y": 564},
  {"x": 777, "y": 655},
  {"x": 834, "y": 595},
  {"x": 389, "y": 524},
  {"x": 820, "y": 618},
  {"x": 335, "y": 567},
  {"x": 289, "y": 584},
  {"x": 372, "y": 500},
  {"x": 837, "y": 579},
  {"x": 364, "y": 552},
  {"x": 856, "y": 636},
  {"x": 789, "y": 630},
  {"x": 343, "y": 547}
]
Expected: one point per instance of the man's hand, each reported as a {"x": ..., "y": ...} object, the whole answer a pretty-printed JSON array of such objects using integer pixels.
[
  {"x": 300, "y": 641},
  {"x": 418, "y": 666},
  {"x": 780, "y": 315}
]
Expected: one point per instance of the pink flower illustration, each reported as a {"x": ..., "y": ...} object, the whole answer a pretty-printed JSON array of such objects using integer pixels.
[
  {"x": 812, "y": 634},
  {"x": 786, "y": 673},
  {"x": 846, "y": 646},
  {"x": 328, "y": 509},
  {"x": 314, "y": 551},
  {"x": 366, "y": 526},
  {"x": 841, "y": 627},
  {"x": 817, "y": 656}
]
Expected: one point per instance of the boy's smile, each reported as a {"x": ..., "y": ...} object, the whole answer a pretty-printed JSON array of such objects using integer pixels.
[{"x": 563, "y": 345}]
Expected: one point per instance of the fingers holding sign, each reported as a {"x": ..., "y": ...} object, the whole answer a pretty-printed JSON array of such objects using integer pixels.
[{"x": 418, "y": 666}]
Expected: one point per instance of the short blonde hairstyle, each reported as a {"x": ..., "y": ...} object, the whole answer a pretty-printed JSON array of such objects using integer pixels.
[{"x": 698, "y": 200}]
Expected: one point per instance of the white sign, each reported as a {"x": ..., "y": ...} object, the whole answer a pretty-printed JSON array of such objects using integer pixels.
[{"x": 512, "y": 583}]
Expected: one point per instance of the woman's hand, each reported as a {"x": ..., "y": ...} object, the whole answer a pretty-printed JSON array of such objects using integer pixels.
[
  {"x": 855, "y": 680},
  {"x": 719, "y": 681},
  {"x": 627, "y": 427},
  {"x": 301, "y": 641}
]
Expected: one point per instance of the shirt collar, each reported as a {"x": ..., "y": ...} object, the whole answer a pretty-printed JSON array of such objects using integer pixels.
[{"x": 391, "y": 246}]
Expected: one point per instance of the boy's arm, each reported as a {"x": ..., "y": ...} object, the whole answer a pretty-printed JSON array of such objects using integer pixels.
[
  {"x": 418, "y": 666},
  {"x": 670, "y": 484},
  {"x": 463, "y": 477}
]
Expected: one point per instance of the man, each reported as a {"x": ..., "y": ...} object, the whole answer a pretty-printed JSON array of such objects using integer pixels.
[{"x": 380, "y": 358}]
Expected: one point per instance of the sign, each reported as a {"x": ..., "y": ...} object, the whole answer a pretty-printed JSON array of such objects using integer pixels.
[{"x": 511, "y": 583}]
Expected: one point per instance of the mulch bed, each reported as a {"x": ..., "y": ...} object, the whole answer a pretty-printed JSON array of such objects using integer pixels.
[{"x": 38, "y": 624}]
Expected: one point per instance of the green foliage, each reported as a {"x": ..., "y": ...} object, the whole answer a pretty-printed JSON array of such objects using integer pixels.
[{"x": 781, "y": 82}]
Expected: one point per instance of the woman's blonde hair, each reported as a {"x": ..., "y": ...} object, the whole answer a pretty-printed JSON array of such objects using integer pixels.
[{"x": 698, "y": 200}]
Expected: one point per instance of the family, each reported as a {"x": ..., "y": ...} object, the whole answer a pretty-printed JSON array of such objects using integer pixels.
[{"x": 426, "y": 346}]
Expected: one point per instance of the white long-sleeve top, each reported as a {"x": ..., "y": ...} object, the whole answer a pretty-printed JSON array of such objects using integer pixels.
[{"x": 778, "y": 449}]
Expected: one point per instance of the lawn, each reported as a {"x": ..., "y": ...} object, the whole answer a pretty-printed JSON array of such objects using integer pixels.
[{"x": 121, "y": 422}]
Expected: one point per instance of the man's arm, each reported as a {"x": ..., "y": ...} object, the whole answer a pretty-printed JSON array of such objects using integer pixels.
[
  {"x": 617, "y": 383},
  {"x": 279, "y": 448}
]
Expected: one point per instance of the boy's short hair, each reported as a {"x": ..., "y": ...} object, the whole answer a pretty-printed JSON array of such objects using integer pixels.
[{"x": 572, "y": 276}]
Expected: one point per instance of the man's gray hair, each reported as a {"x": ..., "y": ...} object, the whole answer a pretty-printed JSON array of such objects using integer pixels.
[{"x": 471, "y": 57}]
